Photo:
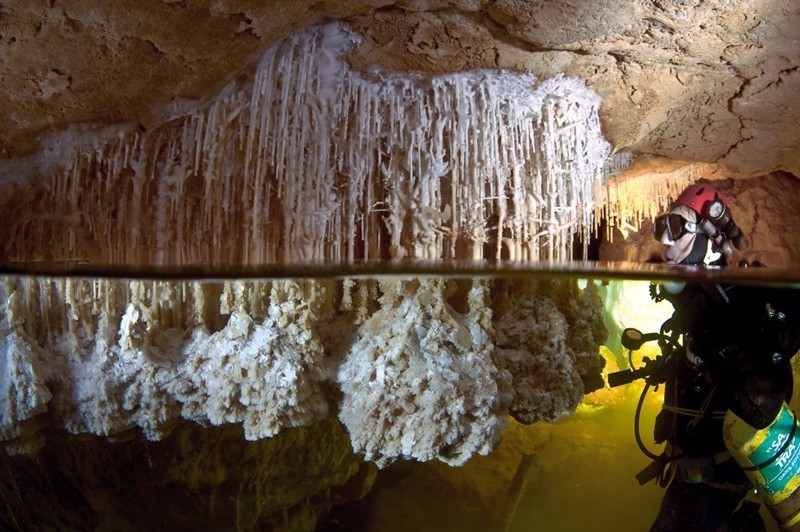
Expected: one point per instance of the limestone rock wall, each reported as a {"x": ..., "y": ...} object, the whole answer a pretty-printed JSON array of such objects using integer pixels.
[{"x": 707, "y": 81}]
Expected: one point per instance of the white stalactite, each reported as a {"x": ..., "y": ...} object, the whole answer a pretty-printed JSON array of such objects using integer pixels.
[
  {"x": 546, "y": 336},
  {"x": 623, "y": 206},
  {"x": 308, "y": 160},
  {"x": 105, "y": 356},
  {"x": 264, "y": 374}
]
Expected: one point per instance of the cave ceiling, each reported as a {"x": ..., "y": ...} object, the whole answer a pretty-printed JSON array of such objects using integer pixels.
[{"x": 713, "y": 81}]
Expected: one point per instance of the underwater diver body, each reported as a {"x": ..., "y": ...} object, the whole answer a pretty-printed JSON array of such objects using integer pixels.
[
  {"x": 737, "y": 346},
  {"x": 728, "y": 364}
]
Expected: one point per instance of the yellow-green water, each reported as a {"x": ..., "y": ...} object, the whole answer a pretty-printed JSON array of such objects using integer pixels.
[{"x": 582, "y": 477}]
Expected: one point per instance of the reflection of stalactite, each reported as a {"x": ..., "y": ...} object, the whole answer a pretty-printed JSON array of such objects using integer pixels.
[{"x": 309, "y": 160}]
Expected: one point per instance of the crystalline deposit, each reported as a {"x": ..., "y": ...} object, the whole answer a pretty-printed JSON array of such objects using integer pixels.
[
  {"x": 102, "y": 357},
  {"x": 418, "y": 369},
  {"x": 420, "y": 381},
  {"x": 308, "y": 160},
  {"x": 304, "y": 160},
  {"x": 548, "y": 334}
]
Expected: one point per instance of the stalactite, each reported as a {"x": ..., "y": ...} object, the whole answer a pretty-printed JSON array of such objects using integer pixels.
[
  {"x": 264, "y": 373},
  {"x": 308, "y": 160},
  {"x": 103, "y": 356},
  {"x": 632, "y": 197},
  {"x": 545, "y": 337}
]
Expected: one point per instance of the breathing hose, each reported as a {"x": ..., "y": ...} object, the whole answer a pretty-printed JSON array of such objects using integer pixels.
[{"x": 638, "y": 434}]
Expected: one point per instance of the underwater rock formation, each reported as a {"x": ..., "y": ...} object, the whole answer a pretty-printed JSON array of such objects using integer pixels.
[
  {"x": 548, "y": 334},
  {"x": 410, "y": 375},
  {"x": 199, "y": 478},
  {"x": 421, "y": 380}
]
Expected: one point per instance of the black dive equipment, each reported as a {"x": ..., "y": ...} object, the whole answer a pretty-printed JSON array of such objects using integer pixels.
[{"x": 767, "y": 452}]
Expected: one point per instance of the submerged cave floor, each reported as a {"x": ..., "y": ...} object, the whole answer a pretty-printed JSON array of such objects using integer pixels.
[
  {"x": 581, "y": 477},
  {"x": 575, "y": 474}
]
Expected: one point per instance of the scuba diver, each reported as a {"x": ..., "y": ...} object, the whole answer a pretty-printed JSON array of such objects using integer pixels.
[{"x": 725, "y": 365}]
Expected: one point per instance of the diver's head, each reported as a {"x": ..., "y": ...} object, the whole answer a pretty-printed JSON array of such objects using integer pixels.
[{"x": 697, "y": 227}]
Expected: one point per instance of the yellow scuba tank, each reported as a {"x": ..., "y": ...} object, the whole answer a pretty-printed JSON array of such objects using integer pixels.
[{"x": 771, "y": 459}]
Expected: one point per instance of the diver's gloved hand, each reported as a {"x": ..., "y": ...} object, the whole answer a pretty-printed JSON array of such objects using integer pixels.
[{"x": 694, "y": 470}]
